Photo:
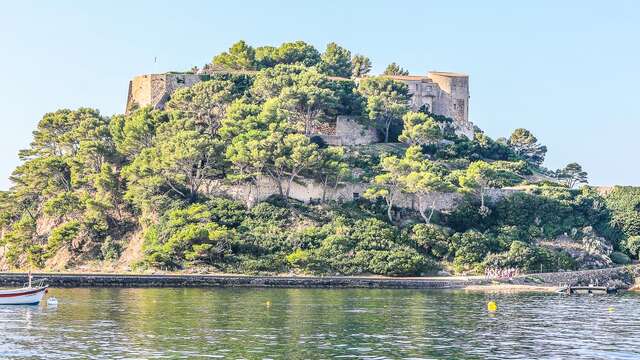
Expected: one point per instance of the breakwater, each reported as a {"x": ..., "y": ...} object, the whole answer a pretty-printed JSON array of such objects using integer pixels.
[{"x": 131, "y": 280}]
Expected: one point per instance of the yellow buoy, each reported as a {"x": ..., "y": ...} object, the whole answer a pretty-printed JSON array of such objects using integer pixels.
[
  {"x": 492, "y": 306},
  {"x": 611, "y": 309},
  {"x": 268, "y": 303}
]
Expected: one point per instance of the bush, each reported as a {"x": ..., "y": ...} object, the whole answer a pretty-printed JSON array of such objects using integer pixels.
[
  {"x": 431, "y": 239},
  {"x": 62, "y": 235},
  {"x": 226, "y": 212},
  {"x": 633, "y": 246},
  {"x": 470, "y": 248},
  {"x": 399, "y": 261},
  {"x": 529, "y": 258},
  {"x": 187, "y": 234},
  {"x": 110, "y": 249},
  {"x": 620, "y": 258}
]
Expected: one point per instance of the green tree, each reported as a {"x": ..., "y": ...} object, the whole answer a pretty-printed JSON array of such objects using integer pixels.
[
  {"x": 525, "y": 145},
  {"x": 205, "y": 102},
  {"x": 335, "y": 61},
  {"x": 420, "y": 129},
  {"x": 269, "y": 82},
  {"x": 394, "y": 69},
  {"x": 360, "y": 66},
  {"x": 390, "y": 183},
  {"x": 479, "y": 177},
  {"x": 240, "y": 57},
  {"x": 60, "y": 133},
  {"x": 330, "y": 169},
  {"x": 133, "y": 133},
  {"x": 182, "y": 158},
  {"x": 572, "y": 174},
  {"x": 469, "y": 248},
  {"x": 423, "y": 181},
  {"x": 387, "y": 101},
  {"x": 298, "y": 52},
  {"x": 309, "y": 99},
  {"x": 62, "y": 205},
  {"x": 266, "y": 57},
  {"x": 633, "y": 245}
]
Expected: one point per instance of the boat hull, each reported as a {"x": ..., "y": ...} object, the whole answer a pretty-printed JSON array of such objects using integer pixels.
[{"x": 25, "y": 296}]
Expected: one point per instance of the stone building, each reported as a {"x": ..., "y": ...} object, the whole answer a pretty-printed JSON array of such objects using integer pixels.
[
  {"x": 155, "y": 89},
  {"x": 444, "y": 93}
]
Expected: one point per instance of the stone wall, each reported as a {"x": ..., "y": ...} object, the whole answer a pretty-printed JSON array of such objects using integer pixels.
[
  {"x": 307, "y": 191},
  {"x": 155, "y": 89},
  {"x": 126, "y": 280},
  {"x": 453, "y": 99},
  {"x": 349, "y": 132}
]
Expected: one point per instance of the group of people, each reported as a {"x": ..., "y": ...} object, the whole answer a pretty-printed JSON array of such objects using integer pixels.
[{"x": 501, "y": 273}]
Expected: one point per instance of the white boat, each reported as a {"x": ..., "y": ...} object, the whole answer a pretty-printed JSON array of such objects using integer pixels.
[{"x": 30, "y": 294}]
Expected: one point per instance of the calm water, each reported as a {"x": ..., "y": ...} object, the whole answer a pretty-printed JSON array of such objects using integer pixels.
[{"x": 315, "y": 324}]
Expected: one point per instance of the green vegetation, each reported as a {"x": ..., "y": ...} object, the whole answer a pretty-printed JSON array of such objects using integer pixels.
[{"x": 89, "y": 184}]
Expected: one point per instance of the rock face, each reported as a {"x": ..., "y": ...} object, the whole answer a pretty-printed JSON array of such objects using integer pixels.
[
  {"x": 588, "y": 249},
  {"x": 619, "y": 278}
]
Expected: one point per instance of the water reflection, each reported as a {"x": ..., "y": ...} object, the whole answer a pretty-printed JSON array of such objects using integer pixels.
[{"x": 305, "y": 323}]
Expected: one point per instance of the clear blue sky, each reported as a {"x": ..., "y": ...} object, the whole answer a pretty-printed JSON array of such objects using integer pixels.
[{"x": 568, "y": 71}]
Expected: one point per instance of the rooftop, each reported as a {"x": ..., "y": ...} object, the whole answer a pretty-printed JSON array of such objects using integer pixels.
[{"x": 448, "y": 73}]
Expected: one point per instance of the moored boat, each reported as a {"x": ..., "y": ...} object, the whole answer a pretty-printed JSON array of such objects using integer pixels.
[{"x": 30, "y": 294}]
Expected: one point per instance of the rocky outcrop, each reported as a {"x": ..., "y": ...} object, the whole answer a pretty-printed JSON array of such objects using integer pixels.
[
  {"x": 589, "y": 250},
  {"x": 618, "y": 277}
]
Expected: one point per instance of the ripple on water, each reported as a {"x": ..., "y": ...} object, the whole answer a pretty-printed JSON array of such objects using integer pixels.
[{"x": 310, "y": 323}]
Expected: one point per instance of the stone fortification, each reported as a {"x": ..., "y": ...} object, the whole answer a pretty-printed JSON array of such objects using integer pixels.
[
  {"x": 443, "y": 93},
  {"x": 307, "y": 191},
  {"x": 348, "y": 131},
  {"x": 155, "y": 89}
]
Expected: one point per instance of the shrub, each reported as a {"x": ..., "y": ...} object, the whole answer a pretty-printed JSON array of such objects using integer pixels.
[
  {"x": 399, "y": 261},
  {"x": 470, "y": 248},
  {"x": 431, "y": 239},
  {"x": 62, "y": 235},
  {"x": 633, "y": 246},
  {"x": 529, "y": 258},
  {"x": 110, "y": 249},
  {"x": 620, "y": 258},
  {"x": 226, "y": 212}
]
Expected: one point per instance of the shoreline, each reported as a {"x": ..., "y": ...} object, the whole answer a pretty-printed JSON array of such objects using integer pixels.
[
  {"x": 128, "y": 280},
  {"x": 618, "y": 277}
]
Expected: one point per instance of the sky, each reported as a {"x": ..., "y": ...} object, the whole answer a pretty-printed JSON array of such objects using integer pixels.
[{"x": 568, "y": 71}]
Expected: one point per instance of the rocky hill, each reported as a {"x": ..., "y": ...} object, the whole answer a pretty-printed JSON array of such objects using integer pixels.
[{"x": 260, "y": 166}]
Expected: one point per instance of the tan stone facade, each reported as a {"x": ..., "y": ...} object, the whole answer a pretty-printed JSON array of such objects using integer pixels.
[
  {"x": 155, "y": 89},
  {"x": 445, "y": 93},
  {"x": 348, "y": 131}
]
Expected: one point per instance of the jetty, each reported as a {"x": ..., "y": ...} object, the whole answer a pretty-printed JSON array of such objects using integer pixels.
[{"x": 569, "y": 290}]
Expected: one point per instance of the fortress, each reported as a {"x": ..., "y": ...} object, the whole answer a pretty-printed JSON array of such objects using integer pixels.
[{"x": 443, "y": 93}]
